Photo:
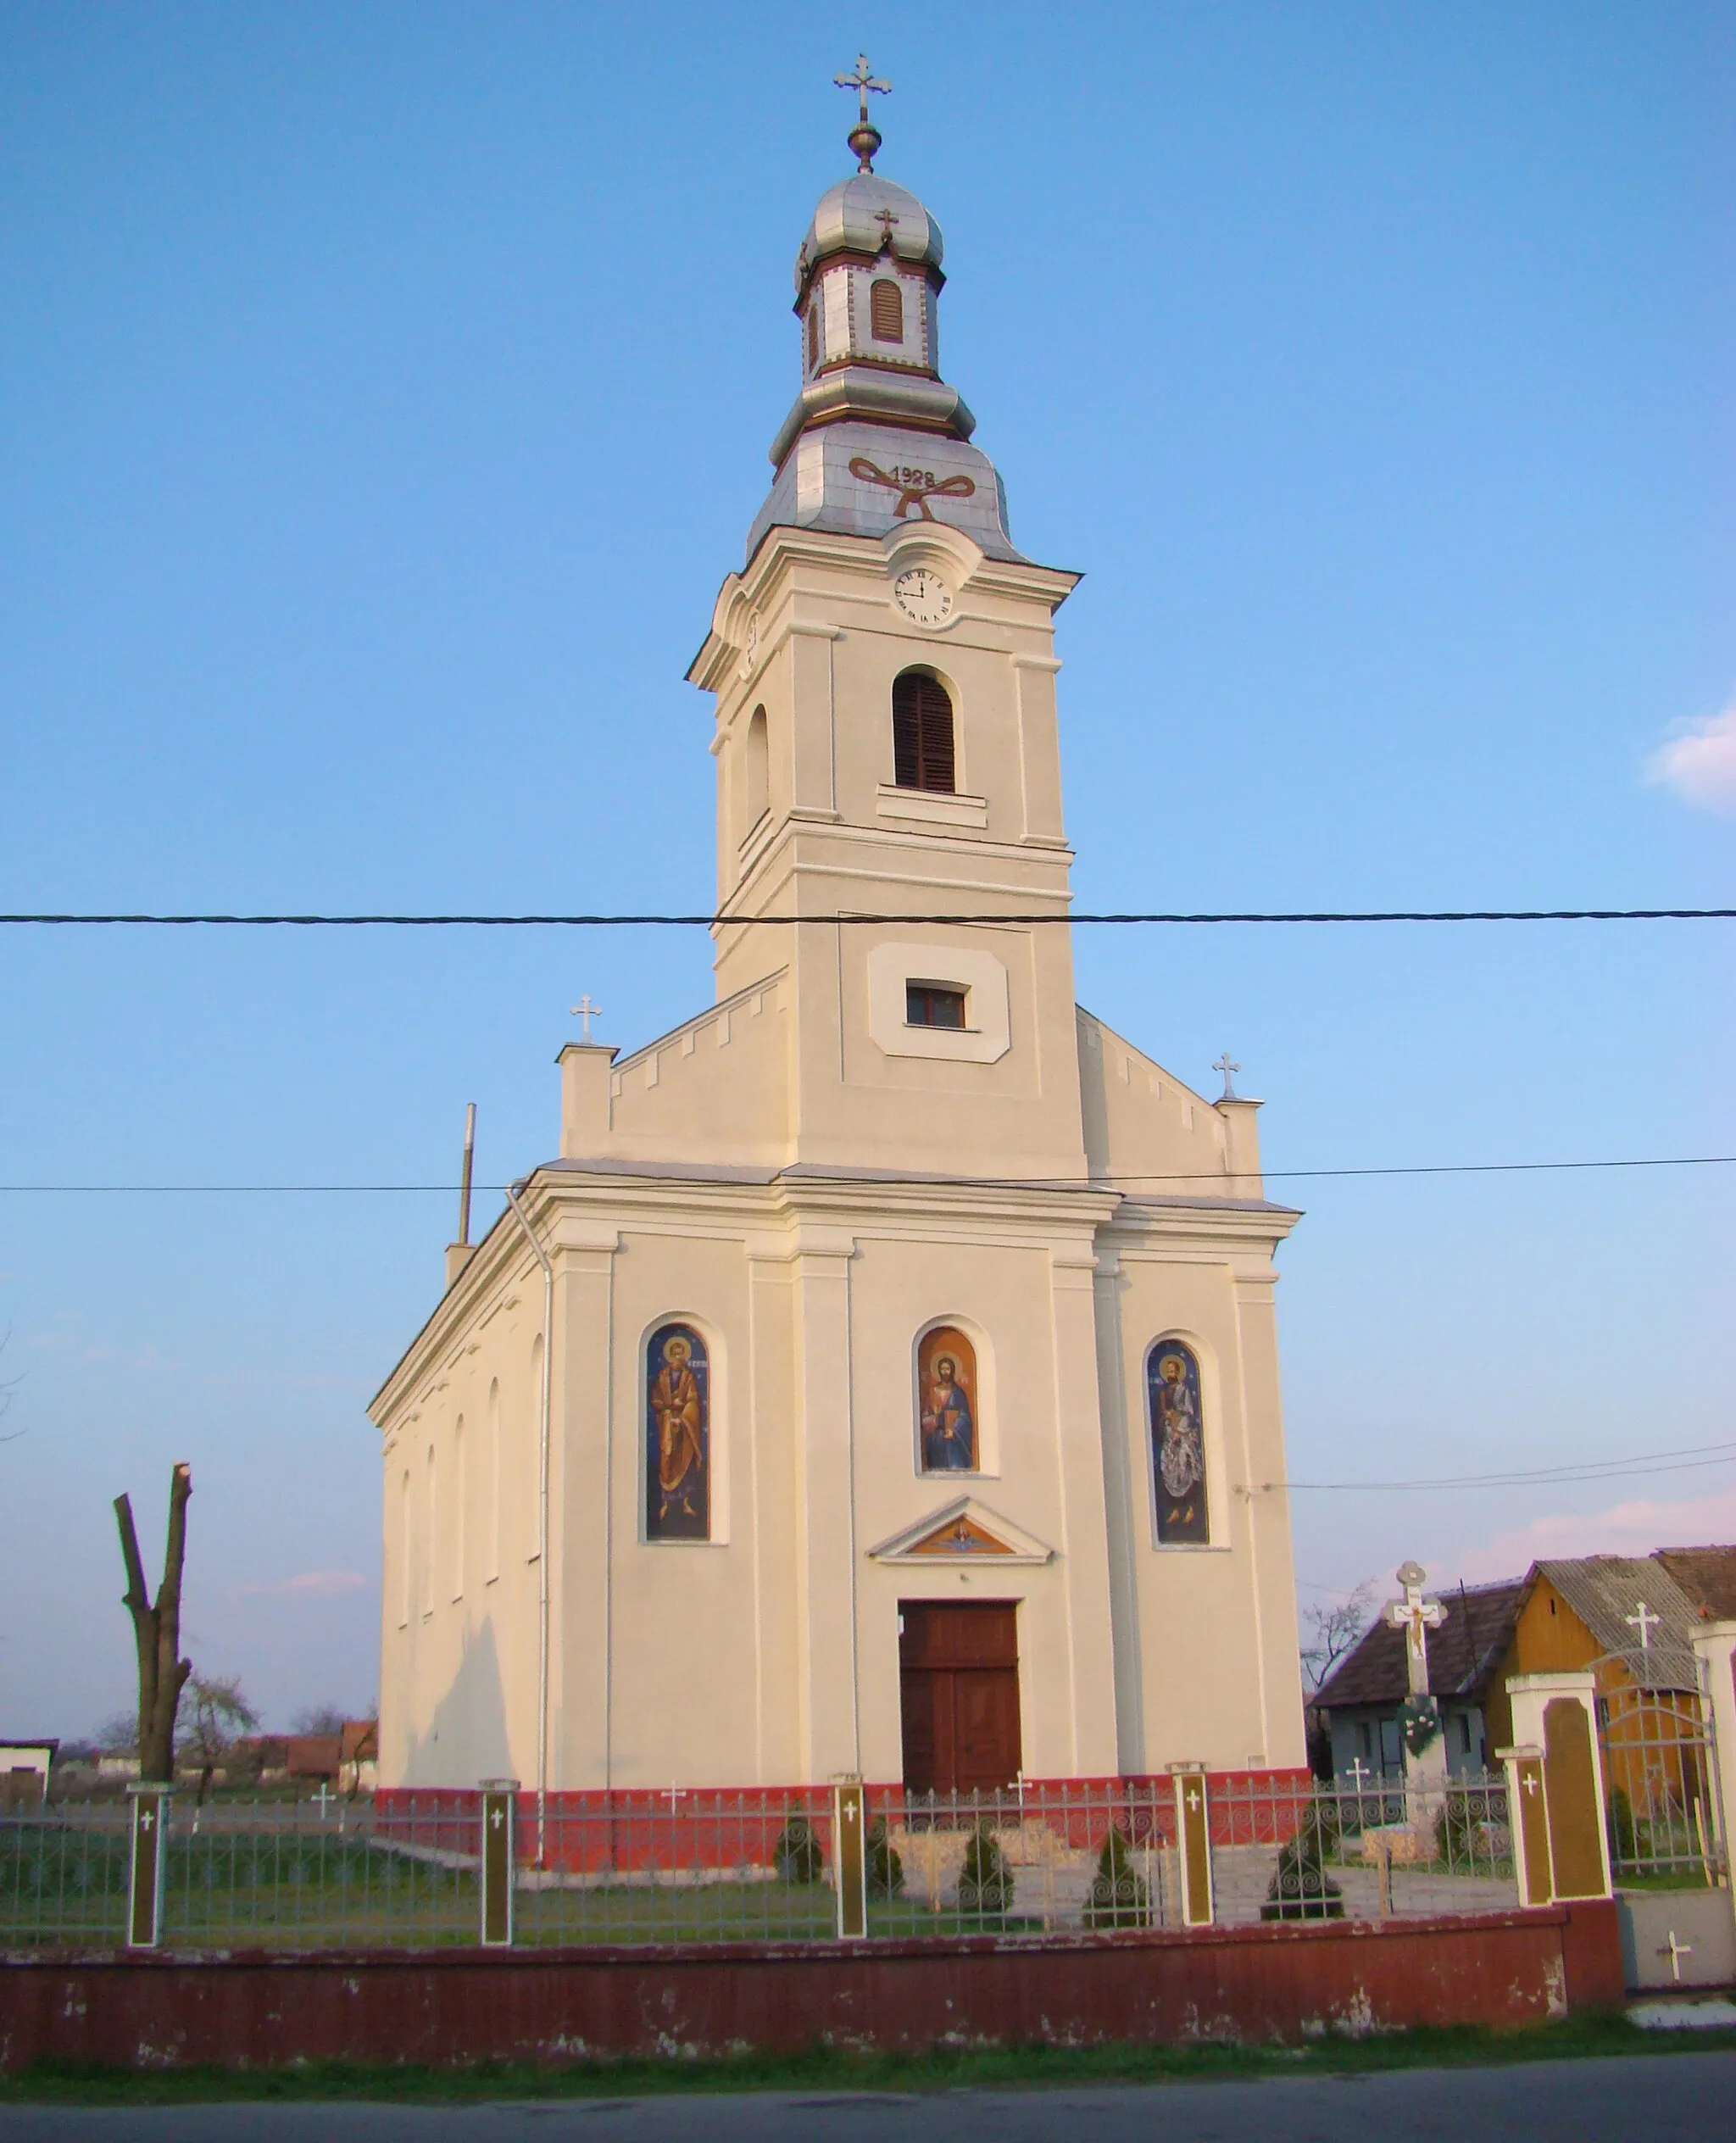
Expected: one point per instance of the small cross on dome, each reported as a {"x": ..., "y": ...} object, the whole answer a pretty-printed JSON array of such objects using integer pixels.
[{"x": 864, "y": 136}]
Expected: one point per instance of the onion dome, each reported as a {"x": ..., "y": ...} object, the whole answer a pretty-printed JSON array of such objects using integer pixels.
[{"x": 868, "y": 216}]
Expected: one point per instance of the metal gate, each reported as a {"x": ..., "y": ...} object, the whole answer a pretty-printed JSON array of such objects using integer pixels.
[
  {"x": 1659, "y": 1782},
  {"x": 1670, "y": 1865}
]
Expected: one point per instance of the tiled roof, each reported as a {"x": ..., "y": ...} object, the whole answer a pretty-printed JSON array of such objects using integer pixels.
[
  {"x": 1463, "y": 1653},
  {"x": 1707, "y": 1576},
  {"x": 1605, "y": 1590}
]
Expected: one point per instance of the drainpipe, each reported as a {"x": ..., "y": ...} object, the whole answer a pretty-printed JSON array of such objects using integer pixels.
[{"x": 543, "y": 1260}]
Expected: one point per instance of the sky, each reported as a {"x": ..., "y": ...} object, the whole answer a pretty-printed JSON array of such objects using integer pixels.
[{"x": 384, "y": 390}]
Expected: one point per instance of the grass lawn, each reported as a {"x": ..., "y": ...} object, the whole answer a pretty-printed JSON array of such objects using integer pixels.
[{"x": 980, "y": 2068}]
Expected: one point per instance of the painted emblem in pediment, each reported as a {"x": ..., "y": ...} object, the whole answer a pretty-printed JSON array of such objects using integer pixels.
[{"x": 962, "y": 1531}]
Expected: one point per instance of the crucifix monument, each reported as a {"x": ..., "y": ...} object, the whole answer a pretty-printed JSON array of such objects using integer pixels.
[{"x": 1424, "y": 1758}]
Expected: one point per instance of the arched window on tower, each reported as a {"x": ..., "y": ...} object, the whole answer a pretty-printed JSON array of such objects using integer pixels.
[
  {"x": 755, "y": 774},
  {"x": 1178, "y": 1444},
  {"x": 886, "y": 310},
  {"x": 814, "y": 331},
  {"x": 921, "y": 733}
]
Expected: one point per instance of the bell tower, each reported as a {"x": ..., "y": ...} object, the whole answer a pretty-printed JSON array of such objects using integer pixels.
[{"x": 886, "y": 739}]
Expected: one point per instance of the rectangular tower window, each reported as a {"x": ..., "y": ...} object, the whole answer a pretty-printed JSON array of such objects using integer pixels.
[{"x": 933, "y": 1005}]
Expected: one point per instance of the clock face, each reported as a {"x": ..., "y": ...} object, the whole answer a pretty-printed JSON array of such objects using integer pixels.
[{"x": 922, "y": 596}]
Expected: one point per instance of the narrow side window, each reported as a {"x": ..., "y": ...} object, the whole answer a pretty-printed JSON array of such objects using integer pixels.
[
  {"x": 405, "y": 1551},
  {"x": 459, "y": 1499},
  {"x": 429, "y": 1548},
  {"x": 490, "y": 1483}
]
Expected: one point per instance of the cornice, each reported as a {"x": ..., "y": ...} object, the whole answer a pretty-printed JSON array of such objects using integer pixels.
[{"x": 866, "y": 557}]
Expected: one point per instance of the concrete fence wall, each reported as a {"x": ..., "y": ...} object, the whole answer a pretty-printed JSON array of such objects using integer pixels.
[{"x": 1277, "y": 1983}]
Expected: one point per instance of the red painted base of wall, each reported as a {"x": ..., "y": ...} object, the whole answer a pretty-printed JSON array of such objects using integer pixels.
[{"x": 456, "y": 2005}]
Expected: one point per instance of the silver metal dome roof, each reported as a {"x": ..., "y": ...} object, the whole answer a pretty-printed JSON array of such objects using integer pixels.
[{"x": 852, "y": 218}]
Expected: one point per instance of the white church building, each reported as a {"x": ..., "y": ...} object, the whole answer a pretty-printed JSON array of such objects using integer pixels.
[{"x": 882, "y": 1378}]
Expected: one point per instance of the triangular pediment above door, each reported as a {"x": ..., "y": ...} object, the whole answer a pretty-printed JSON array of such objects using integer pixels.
[{"x": 962, "y": 1531}]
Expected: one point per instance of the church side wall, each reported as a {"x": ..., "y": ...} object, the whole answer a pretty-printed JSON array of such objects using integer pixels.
[
  {"x": 684, "y": 1630},
  {"x": 1212, "y": 1640},
  {"x": 457, "y": 1669}
]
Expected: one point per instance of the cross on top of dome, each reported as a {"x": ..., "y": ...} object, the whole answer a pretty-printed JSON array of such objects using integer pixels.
[{"x": 864, "y": 136}]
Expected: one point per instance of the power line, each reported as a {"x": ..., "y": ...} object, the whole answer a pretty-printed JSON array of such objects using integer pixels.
[
  {"x": 1689, "y": 1458},
  {"x": 941, "y": 1182},
  {"x": 714, "y": 921}
]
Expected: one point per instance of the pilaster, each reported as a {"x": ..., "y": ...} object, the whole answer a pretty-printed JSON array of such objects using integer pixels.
[
  {"x": 1091, "y": 1748},
  {"x": 825, "y": 1469},
  {"x": 592, "y": 1476}
]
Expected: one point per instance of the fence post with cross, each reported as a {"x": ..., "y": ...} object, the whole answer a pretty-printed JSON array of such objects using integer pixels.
[
  {"x": 148, "y": 1863},
  {"x": 499, "y": 1854},
  {"x": 1192, "y": 1843}
]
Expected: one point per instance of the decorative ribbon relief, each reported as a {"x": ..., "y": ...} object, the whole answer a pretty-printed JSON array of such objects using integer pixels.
[{"x": 915, "y": 486}]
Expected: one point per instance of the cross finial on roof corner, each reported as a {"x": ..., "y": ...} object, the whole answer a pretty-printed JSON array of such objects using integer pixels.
[
  {"x": 1228, "y": 1065},
  {"x": 863, "y": 135}
]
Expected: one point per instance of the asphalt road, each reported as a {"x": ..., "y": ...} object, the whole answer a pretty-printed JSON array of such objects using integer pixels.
[{"x": 1683, "y": 2096}]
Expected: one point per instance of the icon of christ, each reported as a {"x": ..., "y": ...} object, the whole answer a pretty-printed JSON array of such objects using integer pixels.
[{"x": 947, "y": 1377}]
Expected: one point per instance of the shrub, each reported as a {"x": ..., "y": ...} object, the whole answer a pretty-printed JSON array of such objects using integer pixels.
[
  {"x": 885, "y": 1870},
  {"x": 1118, "y": 1897},
  {"x": 1623, "y": 1841},
  {"x": 985, "y": 1880},
  {"x": 1301, "y": 1889},
  {"x": 797, "y": 1855}
]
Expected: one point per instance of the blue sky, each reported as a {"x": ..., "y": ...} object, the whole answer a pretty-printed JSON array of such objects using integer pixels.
[{"x": 384, "y": 391}]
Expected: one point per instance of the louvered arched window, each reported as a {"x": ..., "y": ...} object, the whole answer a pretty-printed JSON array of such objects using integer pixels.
[
  {"x": 813, "y": 331},
  {"x": 921, "y": 733},
  {"x": 886, "y": 310}
]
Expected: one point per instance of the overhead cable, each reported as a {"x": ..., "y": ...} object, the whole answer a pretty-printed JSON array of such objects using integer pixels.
[{"x": 332, "y": 921}]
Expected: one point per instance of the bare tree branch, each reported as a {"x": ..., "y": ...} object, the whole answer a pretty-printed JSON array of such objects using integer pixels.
[
  {"x": 1332, "y": 1629},
  {"x": 157, "y": 1629}
]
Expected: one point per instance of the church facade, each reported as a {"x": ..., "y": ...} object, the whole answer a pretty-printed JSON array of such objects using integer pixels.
[{"x": 882, "y": 1378}]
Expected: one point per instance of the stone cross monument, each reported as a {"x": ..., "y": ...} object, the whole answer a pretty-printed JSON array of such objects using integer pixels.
[{"x": 1425, "y": 1752}]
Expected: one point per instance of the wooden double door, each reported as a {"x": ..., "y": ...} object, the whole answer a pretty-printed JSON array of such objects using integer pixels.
[{"x": 959, "y": 1689}]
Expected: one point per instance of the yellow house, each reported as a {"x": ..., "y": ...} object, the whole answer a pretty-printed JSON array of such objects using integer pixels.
[{"x": 1628, "y": 1620}]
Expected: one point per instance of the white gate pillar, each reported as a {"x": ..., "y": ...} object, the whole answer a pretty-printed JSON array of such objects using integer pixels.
[{"x": 1555, "y": 1720}]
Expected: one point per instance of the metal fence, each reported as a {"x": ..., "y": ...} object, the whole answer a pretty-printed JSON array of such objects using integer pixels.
[{"x": 409, "y": 1871}]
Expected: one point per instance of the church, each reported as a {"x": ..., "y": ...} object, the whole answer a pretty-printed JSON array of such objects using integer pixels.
[{"x": 882, "y": 1379}]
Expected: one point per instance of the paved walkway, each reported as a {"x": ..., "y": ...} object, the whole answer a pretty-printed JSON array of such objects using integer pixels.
[{"x": 1688, "y": 2096}]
